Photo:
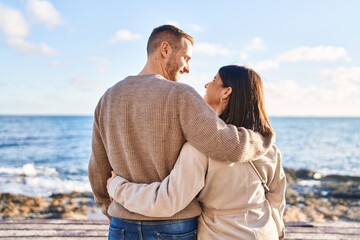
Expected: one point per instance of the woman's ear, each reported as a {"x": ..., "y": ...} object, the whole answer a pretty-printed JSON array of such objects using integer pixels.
[{"x": 226, "y": 93}]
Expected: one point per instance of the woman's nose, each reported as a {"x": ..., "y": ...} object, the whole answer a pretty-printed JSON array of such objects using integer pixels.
[{"x": 206, "y": 85}]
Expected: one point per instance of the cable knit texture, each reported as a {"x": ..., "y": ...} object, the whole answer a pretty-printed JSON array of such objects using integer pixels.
[{"x": 140, "y": 125}]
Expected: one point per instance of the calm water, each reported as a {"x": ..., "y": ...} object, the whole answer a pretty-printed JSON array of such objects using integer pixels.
[{"x": 41, "y": 155}]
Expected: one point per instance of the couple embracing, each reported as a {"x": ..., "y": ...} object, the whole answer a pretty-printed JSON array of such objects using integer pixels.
[{"x": 165, "y": 164}]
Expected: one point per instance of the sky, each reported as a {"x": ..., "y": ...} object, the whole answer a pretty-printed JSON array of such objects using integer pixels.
[{"x": 58, "y": 57}]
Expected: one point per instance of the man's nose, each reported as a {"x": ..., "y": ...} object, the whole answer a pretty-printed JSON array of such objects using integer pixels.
[
  {"x": 206, "y": 84},
  {"x": 186, "y": 69}
]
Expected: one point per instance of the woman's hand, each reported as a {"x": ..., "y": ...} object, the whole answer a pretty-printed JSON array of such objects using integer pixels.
[
  {"x": 113, "y": 175},
  {"x": 113, "y": 183}
]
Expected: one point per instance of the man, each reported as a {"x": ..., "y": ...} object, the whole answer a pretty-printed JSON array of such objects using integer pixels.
[{"x": 140, "y": 125}]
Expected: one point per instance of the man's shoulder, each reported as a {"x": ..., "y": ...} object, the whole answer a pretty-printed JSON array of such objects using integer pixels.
[
  {"x": 155, "y": 80},
  {"x": 154, "y": 84},
  {"x": 161, "y": 81}
]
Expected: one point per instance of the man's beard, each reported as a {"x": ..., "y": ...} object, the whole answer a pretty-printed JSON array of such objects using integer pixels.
[{"x": 172, "y": 70}]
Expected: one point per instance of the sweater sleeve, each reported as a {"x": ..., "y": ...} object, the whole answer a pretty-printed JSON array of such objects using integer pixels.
[
  {"x": 213, "y": 137},
  {"x": 166, "y": 198},
  {"x": 99, "y": 169},
  {"x": 276, "y": 195}
]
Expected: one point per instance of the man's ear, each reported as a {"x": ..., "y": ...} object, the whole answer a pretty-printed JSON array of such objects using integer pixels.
[{"x": 165, "y": 49}]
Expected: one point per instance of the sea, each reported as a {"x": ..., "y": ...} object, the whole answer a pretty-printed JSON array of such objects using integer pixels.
[{"x": 42, "y": 155}]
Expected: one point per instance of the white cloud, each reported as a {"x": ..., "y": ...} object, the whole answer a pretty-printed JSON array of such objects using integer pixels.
[
  {"x": 210, "y": 49},
  {"x": 16, "y": 28},
  {"x": 305, "y": 53},
  {"x": 264, "y": 65},
  {"x": 28, "y": 47},
  {"x": 342, "y": 74},
  {"x": 318, "y": 53},
  {"x": 346, "y": 81},
  {"x": 42, "y": 11},
  {"x": 255, "y": 44},
  {"x": 332, "y": 98},
  {"x": 336, "y": 94},
  {"x": 12, "y": 23},
  {"x": 288, "y": 98},
  {"x": 125, "y": 35},
  {"x": 100, "y": 63}
]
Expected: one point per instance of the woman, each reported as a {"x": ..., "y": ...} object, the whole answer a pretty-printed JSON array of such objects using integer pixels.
[{"x": 234, "y": 201}]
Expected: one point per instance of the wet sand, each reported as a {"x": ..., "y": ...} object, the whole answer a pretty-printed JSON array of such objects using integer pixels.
[{"x": 310, "y": 197}]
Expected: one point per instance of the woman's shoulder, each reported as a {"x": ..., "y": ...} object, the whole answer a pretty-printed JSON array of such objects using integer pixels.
[
  {"x": 276, "y": 151},
  {"x": 189, "y": 152},
  {"x": 189, "y": 148},
  {"x": 273, "y": 155}
]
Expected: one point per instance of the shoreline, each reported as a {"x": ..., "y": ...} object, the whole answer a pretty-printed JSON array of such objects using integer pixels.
[
  {"x": 316, "y": 198},
  {"x": 309, "y": 197}
]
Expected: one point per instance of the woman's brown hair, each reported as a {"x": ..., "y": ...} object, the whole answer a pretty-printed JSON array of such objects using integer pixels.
[{"x": 246, "y": 106}]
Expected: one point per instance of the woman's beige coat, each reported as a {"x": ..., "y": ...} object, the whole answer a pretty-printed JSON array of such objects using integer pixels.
[{"x": 232, "y": 197}]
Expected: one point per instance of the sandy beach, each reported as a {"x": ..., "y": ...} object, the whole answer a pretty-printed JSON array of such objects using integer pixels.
[{"x": 310, "y": 197}]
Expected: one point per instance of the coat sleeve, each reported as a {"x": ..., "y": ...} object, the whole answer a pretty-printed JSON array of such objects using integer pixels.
[
  {"x": 276, "y": 195},
  {"x": 166, "y": 198}
]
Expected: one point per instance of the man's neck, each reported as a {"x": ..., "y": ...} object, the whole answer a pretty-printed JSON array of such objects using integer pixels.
[{"x": 153, "y": 66}]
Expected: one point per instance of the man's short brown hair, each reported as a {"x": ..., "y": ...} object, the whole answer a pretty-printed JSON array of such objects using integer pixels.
[{"x": 168, "y": 33}]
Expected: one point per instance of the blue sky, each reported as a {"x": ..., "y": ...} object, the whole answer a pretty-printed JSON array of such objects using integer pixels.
[{"x": 59, "y": 56}]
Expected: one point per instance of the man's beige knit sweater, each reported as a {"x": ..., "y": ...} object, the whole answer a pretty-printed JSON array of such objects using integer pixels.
[{"x": 140, "y": 125}]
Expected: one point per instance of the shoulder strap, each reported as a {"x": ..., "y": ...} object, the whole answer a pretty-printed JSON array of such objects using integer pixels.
[{"x": 266, "y": 188}]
